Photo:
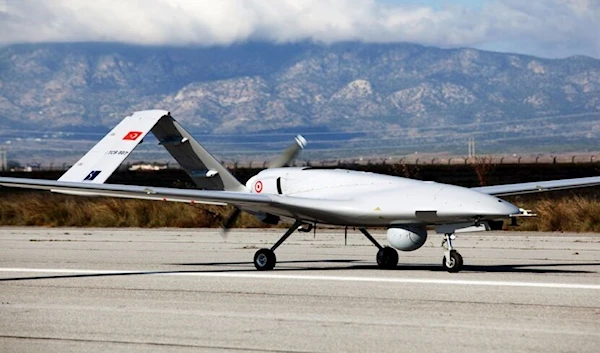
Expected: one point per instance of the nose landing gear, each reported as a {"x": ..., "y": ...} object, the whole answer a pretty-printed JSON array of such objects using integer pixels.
[{"x": 452, "y": 260}]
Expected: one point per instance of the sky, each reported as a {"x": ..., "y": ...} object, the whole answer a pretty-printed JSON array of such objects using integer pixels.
[{"x": 546, "y": 28}]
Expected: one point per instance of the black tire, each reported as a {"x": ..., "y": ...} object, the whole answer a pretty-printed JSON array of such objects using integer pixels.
[
  {"x": 264, "y": 260},
  {"x": 387, "y": 258},
  {"x": 456, "y": 262}
]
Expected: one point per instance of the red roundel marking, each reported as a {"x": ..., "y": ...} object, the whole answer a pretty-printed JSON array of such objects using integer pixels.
[{"x": 258, "y": 186}]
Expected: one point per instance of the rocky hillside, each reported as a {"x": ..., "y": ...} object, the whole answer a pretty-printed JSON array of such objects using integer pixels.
[{"x": 386, "y": 90}]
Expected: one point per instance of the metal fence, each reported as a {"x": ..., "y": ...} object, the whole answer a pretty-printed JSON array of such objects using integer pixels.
[{"x": 332, "y": 163}]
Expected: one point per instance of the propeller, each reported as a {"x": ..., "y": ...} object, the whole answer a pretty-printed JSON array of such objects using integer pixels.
[
  {"x": 229, "y": 222},
  {"x": 286, "y": 158}
]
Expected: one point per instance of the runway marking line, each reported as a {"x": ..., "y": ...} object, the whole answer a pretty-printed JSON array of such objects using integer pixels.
[{"x": 312, "y": 278}]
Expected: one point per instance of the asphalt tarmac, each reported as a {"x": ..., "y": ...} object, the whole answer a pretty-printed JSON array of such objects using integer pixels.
[{"x": 180, "y": 290}]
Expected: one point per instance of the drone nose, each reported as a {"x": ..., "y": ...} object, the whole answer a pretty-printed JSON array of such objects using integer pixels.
[
  {"x": 490, "y": 206},
  {"x": 476, "y": 204},
  {"x": 504, "y": 208}
]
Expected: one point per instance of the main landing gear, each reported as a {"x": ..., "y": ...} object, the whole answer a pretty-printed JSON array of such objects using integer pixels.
[
  {"x": 386, "y": 257},
  {"x": 452, "y": 260},
  {"x": 264, "y": 259}
]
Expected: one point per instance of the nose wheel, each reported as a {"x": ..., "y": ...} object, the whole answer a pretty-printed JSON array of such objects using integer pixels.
[{"x": 452, "y": 261}]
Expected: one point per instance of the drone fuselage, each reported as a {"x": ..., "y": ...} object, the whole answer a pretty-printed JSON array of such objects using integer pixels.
[{"x": 346, "y": 197}]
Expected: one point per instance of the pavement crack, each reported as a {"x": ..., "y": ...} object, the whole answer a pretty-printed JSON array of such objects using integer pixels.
[{"x": 156, "y": 344}]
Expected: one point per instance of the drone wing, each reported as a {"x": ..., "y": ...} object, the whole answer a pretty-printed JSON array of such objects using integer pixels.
[{"x": 538, "y": 186}]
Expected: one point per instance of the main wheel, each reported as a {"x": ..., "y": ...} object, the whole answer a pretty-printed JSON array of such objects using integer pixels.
[
  {"x": 387, "y": 258},
  {"x": 455, "y": 264},
  {"x": 264, "y": 260}
]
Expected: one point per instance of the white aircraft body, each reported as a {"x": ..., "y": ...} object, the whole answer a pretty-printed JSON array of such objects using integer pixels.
[{"x": 309, "y": 196}]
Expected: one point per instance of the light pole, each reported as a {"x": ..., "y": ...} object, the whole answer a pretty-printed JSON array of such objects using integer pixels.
[{"x": 3, "y": 159}]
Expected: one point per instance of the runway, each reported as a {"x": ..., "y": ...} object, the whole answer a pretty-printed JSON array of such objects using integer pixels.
[{"x": 179, "y": 290}]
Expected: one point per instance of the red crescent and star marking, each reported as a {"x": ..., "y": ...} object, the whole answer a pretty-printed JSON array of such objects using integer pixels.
[
  {"x": 132, "y": 135},
  {"x": 258, "y": 186}
]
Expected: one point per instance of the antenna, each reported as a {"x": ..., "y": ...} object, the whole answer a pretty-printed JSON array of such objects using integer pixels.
[
  {"x": 3, "y": 159},
  {"x": 471, "y": 145}
]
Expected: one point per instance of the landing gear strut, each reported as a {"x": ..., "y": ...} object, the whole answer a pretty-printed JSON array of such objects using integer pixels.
[
  {"x": 386, "y": 257},
  {"x": 452, "y": 260},
  {"x": 264, "y": 259}
]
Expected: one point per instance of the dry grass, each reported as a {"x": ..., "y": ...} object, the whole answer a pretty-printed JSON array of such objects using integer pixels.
[
  {"x": 574, "y": 213},
  {"x": 568, "y": 213},
  {"x": 53, "y": 210}
]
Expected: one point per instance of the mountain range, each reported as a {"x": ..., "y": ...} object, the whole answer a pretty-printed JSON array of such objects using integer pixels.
[{"x": 378, "y": 96}]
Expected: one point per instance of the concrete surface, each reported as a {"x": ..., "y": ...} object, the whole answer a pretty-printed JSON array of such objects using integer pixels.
[{"x": 176, "y": 290}]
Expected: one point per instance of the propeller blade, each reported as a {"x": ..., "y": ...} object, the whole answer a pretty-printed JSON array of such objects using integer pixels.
[
  {"x": 288, "y": 156},
  {"x": 229, "y": 222}
]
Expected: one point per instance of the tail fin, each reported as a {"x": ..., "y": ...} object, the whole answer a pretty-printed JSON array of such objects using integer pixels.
[
  {"x": 198, "y": 163},
  {"x": 106, "y": 156}
]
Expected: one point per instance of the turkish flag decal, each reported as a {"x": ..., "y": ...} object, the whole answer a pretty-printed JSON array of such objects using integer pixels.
[{"x": 132, "y": 135}]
